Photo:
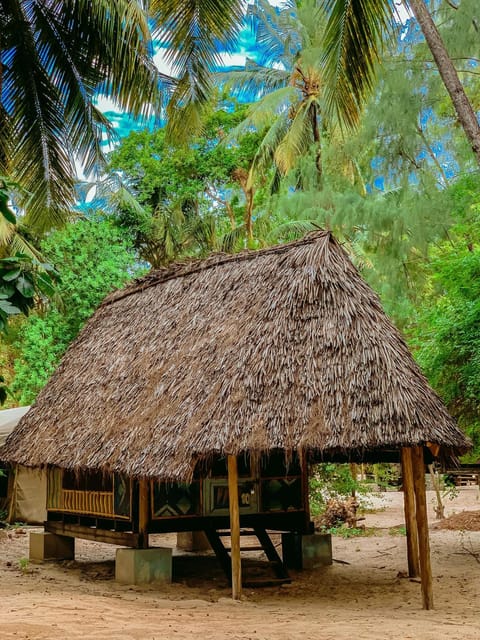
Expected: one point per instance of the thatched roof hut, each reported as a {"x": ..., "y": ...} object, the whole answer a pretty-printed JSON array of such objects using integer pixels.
[{"x": 283, "y": 348}]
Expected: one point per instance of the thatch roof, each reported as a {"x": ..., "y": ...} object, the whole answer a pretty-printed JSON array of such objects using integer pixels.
[{"x": 283, "y": 348}]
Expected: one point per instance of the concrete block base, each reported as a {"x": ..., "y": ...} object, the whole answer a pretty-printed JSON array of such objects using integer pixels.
[
  {"x": 143, "y": 566},
  {"x": 306, "y": 551},
  {"x": 49, "y": 546},
  {"x": 192, "y": 541}
]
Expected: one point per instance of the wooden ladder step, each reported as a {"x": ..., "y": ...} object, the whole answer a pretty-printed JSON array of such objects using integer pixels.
[
  {"x": 274, "y": 561},
  {"x": 243, "y": 532},
  {"x": 265, "y": 582},
  {"x": 248, "y": 548}
]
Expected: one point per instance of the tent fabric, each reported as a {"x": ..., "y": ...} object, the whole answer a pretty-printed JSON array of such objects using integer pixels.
[
  {"x": 26, "y": 501},
  {"x": 9, "y": 419}
]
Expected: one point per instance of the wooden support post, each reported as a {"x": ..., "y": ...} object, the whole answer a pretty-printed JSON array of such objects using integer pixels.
[
  {"x": 234, "y": 528},
  {"x": 422, "y": 526},
  {"x": 354, "y": 474},
  {"x": 409, "y": 507},
  {"x": 143, "y": 512},
  {"x": 305, "y": 491}
]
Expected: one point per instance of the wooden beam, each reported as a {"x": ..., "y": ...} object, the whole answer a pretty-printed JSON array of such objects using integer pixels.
[
  {"x": 422, "y": 526},
  {"x": 409, "y": 508},
  {"x": 234, "y": 528},
  {"x": 305, "y": 488},
  {"x": 143, "y": 512},
  {"x": 123, "y": 538}
]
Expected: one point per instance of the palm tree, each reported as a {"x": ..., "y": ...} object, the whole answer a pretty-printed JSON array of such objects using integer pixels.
[
  {"x": 193, "y": 34},
  {"x": 354, "y": 34},
  {"x": 289, "y": 83},
  {"x": 56, "y": 55}
]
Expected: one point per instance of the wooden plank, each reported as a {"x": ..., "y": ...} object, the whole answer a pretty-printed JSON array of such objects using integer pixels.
[
  {"x": 234, "y": 528},
  {"x": 220, "y": 551},
  {"x": 271, "y": 553},
  {"x": 143, "y": 512},
  {"x": 409, "y": 508},
  {"x": 422, "y": 526},
  {"x": 305, "y": 489},
  {"x": 123, "y": 538}
]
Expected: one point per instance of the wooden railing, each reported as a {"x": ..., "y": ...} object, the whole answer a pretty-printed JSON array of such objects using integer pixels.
[{"x": 99, "y": 503}]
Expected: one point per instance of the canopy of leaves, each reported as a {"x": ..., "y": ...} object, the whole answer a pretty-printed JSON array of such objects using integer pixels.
[
  {"x": 446, "y": 335},
  {"x": 183, "y": 200},
  {"x": 93, "y": 260}
]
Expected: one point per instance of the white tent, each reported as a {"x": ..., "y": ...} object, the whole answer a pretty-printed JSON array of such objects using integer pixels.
[{"x": 27, "y": 488}]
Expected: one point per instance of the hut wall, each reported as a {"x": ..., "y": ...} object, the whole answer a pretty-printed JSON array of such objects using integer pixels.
[
  {"x": 265, "y": 486},
  {"x": 104, "y": 496},
  {"x": 270, "y": 491}
]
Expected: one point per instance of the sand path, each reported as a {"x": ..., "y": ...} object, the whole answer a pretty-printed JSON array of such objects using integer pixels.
[{"x": 364, "y": 599}]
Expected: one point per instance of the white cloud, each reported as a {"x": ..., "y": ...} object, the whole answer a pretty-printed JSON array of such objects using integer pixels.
[
  {"x": 403, "y": 12},
  {"x": 105, "y": 104},
  {"x": 162, "y": 65},
  {"x": 233, "y": 59}
]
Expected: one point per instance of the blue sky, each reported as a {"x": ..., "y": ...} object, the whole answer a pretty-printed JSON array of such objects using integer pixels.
[{"x": 124, "y": 123}]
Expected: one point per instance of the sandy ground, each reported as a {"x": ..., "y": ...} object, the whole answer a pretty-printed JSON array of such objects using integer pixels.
[{"x": 363, "y": 595}]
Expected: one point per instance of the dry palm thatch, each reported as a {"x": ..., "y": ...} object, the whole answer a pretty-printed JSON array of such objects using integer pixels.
[{"x": 281, "y": 348}]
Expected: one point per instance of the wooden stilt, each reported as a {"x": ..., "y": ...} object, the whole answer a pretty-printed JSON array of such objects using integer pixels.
[
  {"x": 234, "y": 528},
  {"x": 305, "y": 490},
  {"x": 409, "y": 506},
  {"x": 143, "y": 512},
  {"x": 422, "y": 526}
]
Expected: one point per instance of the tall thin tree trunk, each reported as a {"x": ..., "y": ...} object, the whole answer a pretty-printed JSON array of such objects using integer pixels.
[
  {"x": 318, "y": 143},
  {"x": 448, "y": 73},
  {"x": 249, "y": 194}
]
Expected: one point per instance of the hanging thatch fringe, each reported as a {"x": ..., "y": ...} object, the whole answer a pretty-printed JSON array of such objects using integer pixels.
[{"x": 282, "y": 348}]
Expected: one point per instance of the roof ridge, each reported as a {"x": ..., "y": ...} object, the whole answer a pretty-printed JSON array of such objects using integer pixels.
[{"x": 195, "y": 265}]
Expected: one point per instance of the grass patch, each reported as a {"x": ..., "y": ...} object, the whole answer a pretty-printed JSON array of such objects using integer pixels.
[
  {"x": 345, "y": 532},
  {"x": 399, "y": 530}
]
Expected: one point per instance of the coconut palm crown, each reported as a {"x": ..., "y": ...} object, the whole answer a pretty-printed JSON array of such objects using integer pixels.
[{"x": 57, "y": 55}]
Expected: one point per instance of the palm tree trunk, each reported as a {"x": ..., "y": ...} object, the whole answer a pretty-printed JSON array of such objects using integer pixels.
[
  {"x": 448, "y": 73},
  {"x": 318, "y": 143},
  {"x": 249, "y": 194}
]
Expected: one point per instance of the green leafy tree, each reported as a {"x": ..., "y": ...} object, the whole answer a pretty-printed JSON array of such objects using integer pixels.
[
  {"x": 289, "y": 84},
  {"x": 446, "y": 333},
  {"x": 355, "y": 33},
  {"x": 93, "y": 260},
  {"x": 185, "y": 200},
  {"x": 55, "y": 56}
]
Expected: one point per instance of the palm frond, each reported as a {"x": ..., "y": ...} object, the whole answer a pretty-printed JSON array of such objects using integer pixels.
[
  {"x": 112, "y": 45},
  {"x": 55, "y": 56},
  {"x": 292, "y": 230},
  {"x": 353, "y": 39},
  {"x": 37, "y": 154},
  {"x": 233, "y": 240},
  {"x": 269, "y": 144},
  {"x": 253, "y": 82},
  {"x": 261, "y": 114},
  {"x": 193, "y": 33},
  {"x": 297, "y": 139},
  {"x": 275, "y": 30},
  {"x": 13, "y": 240}
]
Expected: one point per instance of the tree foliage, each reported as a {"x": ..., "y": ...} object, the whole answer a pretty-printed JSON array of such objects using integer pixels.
[
  {"x": 93, "y": 259},
  {"x": 54, "y": 57},
  {"x": 446, "y": 332},
  {"x": 184, "y": 200}
]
